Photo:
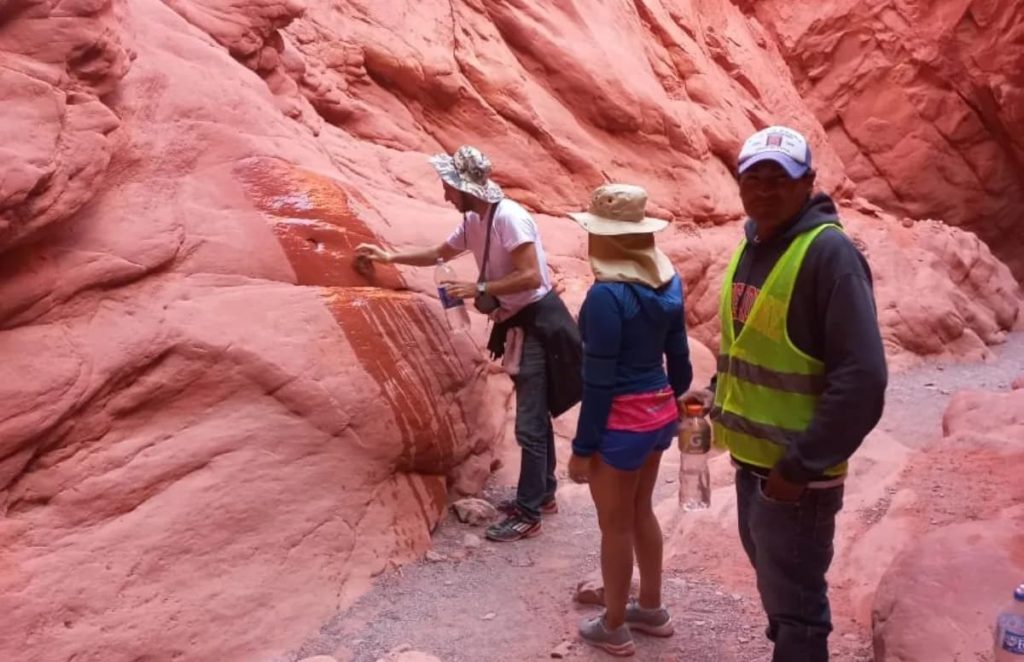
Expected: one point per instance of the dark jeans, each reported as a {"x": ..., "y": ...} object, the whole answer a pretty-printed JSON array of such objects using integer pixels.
[
  {"x": 790, "y": 547},
  {"x": 534, "y": 431}
]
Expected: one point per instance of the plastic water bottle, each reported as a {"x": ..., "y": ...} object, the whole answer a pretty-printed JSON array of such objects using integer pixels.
[
  {"x": 454, "y": 309},
  {"x": 694, "y": 445},
  {"x": 1010, "y": 630}
]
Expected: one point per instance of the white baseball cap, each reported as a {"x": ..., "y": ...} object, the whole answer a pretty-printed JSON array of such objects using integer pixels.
[{"x": 780, "y": 144}]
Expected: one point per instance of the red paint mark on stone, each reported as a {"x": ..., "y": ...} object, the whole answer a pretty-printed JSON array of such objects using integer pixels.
[
  {"x": 397, "y": 339},
  {"x": 317, "y": 222},
  {"x": 406, "y": 350}
]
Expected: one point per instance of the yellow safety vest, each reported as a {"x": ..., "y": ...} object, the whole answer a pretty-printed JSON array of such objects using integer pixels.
[{"x": 767, "y": 388}]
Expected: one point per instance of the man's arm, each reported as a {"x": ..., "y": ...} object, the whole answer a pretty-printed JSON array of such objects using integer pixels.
[
  {"x": 525, "y": 276},
  {"x": 855, "y": 371},
  {"x": 416, "y": 257}
]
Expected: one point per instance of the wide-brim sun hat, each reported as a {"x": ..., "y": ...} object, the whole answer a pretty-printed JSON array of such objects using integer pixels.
[
  {"x": 621, "y": 245},
  {"x": 469, "y": 171},
  {"x": 618, "y": 209}
]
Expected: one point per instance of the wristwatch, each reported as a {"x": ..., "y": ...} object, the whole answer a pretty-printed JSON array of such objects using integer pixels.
[{"x": 481, "y": 288}]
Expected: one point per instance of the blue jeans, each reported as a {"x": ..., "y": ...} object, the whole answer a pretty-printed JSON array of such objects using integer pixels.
[
  {"x": 534, "y": 431},
  {"x": 790, "y": 546}
]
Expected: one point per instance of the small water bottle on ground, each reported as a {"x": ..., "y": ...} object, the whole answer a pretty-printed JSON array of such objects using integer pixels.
[
  {"x": 694, "y": 446},
  {"x": 454, "y": 309},
  {"x": 1010, "y": 630}
]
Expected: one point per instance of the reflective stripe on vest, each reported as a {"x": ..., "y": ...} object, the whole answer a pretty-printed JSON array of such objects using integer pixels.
[
  {"x": 767, "y": 389},
  {"x": 782, "y": 381}
]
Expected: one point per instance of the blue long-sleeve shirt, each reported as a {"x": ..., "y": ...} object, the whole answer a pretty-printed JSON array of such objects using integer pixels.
[{"x": 631, "y": 332}]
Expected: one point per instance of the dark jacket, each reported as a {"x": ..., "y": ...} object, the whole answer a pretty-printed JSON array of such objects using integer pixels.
[
  {"x": 630, "y": 332},
  {"x": 832, "y": 317},
  {"x": 552, "y": 323}
]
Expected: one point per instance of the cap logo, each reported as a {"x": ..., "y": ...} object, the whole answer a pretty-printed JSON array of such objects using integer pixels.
[{"x": 780, "y": 144}]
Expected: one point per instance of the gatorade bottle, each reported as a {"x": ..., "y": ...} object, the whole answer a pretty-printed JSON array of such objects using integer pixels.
[{"x": 694, "y": 446}]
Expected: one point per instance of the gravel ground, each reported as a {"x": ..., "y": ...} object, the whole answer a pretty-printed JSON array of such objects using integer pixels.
[
  {"x": 512, "y": 602},
  {"x": 917, "y": 399},
  {"x": 481, "y": 602}
]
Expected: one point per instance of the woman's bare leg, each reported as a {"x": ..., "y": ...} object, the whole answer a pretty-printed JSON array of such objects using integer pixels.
[
  {"x": 614, "y": 492},
  {"x": 647, "y": 540}
]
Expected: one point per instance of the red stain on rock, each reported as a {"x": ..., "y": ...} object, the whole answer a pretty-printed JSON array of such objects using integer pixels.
[
  {"x": 405, "y": 349},
  {"x": 317, "y": 221},
  {"x": 397, "y": 340}
]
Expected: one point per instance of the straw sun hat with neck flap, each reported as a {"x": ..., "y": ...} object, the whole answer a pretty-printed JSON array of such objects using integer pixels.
[{"x": 621, "y": 241}]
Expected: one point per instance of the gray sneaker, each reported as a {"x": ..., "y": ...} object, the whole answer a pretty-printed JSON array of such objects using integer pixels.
[
  {"x": 617, "y": 642},
  {"x": 655, "y": 622}
]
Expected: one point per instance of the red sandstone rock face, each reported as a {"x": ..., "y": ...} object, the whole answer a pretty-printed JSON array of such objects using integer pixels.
[
  {"x": 940, "y": 597},
  {"x": 206, "y": 408},
  {"x": 56, "y": 130},
  {"x": 206, "y": 411},
  {"x": 923, "y": 101},
  {"x": 534, "y": 85}
]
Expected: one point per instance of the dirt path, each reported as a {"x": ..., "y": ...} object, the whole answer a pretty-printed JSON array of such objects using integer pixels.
[
  {"x": 513, "y": 602},
  {"x": 481, "y": 602},
  {"x": 917, "y": 399}
]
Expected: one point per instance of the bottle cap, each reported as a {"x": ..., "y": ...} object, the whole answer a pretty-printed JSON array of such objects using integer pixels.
[{"x": 693, "y": 409}]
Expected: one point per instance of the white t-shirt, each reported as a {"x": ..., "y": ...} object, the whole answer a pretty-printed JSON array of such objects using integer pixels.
[{"x": 513, "y": 226}]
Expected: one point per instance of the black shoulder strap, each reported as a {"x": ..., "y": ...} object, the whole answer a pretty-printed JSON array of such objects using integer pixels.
[{"x": 487, "y": 242}]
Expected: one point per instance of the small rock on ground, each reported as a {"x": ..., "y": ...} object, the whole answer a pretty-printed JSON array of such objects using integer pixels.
[
  {"x": 590, "y": 590},
  {"x": 562, "y": 650},
  {"x": 475, "y": 512}
]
